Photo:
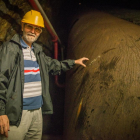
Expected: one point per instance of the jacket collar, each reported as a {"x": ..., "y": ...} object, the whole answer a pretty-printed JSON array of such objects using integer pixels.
[{"x": 16, "y": 39}]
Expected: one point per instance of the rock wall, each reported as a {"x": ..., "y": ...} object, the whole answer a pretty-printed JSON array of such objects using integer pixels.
[{"x": 11, "y": 13}]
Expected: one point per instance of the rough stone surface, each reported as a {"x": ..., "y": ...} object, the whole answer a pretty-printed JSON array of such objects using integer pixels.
[
  {"x": 10, "y": 16},
  {"x": 11, "y": 13}
]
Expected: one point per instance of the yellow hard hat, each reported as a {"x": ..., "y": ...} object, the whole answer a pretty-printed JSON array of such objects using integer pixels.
[{"x": 33, "y": 17}]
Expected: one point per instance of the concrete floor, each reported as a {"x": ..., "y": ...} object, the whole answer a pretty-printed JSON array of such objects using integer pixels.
[{"x": 46, "y": 137}]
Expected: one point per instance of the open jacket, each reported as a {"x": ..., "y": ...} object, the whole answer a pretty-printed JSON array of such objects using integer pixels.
[{"x": 12, "y": 78}]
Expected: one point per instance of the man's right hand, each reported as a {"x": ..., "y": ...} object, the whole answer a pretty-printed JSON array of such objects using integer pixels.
[{"x": 4, "y": 125}]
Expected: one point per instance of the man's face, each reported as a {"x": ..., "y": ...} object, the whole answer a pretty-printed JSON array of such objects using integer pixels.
[{"x": 30, "y": 32}]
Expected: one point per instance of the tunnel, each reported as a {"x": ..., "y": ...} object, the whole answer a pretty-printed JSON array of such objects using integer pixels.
[{"x": 101, "y": 101}]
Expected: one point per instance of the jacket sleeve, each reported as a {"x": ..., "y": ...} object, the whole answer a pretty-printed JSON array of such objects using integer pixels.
[
  {"x": 6, "y": 59},
  {"x": 55, "y": 66}
]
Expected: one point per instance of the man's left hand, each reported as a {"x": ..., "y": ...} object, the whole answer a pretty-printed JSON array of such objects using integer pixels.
[{"x": 80, "y": 61}]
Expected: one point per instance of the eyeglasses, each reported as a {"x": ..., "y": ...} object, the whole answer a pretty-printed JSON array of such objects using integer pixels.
[{"x": 31, "y": 27}]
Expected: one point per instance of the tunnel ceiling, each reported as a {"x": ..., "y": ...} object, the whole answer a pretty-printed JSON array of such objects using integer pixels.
[{"x": 92, "y": 3}]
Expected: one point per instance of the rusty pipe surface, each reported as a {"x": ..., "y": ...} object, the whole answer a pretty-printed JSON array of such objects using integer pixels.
[
  {"x": 56, "y": 57},
  {"x": 102, "y": 101},
  {"x": 49, "y": 26},
  {"x": 35, "y": 4}
]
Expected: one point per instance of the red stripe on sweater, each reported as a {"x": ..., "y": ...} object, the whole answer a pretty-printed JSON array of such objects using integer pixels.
[{"x": 26, "y": 71}]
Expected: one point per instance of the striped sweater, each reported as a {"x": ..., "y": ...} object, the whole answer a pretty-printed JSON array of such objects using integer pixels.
[{"x": 32, "y": 95}]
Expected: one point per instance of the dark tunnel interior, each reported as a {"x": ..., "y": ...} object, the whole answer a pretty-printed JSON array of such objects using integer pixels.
[
  {"x": 63, "y": 18},
  {"x": 70, "y": 8}
]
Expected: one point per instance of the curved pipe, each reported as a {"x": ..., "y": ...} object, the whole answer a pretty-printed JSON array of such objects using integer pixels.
[
  {"x": 35, "y": 4},
  {"x": 102, "y": 102}
]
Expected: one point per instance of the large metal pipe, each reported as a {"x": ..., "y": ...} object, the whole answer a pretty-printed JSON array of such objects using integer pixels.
[{"x": 103, "y": 100}]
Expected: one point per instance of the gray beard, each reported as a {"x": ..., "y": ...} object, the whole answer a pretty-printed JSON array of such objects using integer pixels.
[{"x": 29, "y": 39}]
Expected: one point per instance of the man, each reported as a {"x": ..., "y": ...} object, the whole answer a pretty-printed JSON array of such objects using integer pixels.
[{"x": 24, "y": 81}]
